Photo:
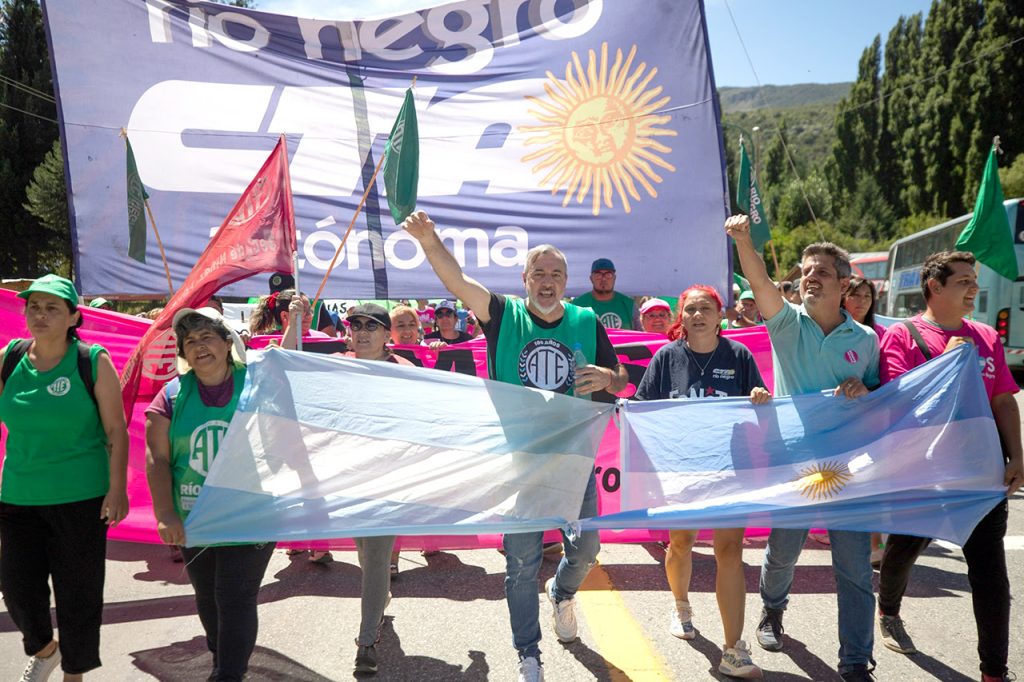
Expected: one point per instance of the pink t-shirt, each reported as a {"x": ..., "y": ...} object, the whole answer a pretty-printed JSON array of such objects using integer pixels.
[
  {"x": 426, "y": 317},
  {"x": 899, "y": 352}
]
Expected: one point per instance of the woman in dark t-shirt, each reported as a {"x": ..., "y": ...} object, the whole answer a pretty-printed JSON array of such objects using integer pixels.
[{"x": 699, "y": 363}]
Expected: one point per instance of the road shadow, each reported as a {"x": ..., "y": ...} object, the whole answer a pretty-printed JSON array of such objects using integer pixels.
[
  {"x": 395, "y": 665},
  {"x": 602, "y": 670},
  {"x": 160, "y": 564},
  {"x": 937, "y": 670},
  {"x": 190, "y": 660}
]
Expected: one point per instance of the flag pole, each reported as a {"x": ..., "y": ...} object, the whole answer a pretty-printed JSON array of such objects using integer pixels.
[
  {"x": 351, "y": 224},
  {"x": 152, "y": 221},
  {"x": 355, "y": 216},
  {"x": 283, "y": 140}
]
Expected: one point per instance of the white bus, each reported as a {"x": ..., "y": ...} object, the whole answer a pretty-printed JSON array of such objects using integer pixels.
[{"x": 1000, "y": 302}]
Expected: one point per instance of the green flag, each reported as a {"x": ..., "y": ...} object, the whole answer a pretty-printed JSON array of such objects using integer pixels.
[
  {"x": 748, "y": 198},
  {"x": 136, "y": 208},
  {"x": 988, "y": 234},
  {"x": 402, "y": 161}
]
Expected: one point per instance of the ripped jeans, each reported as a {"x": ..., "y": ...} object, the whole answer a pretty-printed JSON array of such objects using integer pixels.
[{"x": 523, "y": 555}]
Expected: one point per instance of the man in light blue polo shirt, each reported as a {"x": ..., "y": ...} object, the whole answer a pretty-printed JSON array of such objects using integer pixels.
[{"x": 816, "y": 346}]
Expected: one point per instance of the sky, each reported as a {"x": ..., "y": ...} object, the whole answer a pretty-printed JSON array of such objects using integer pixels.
[{"x": 789, "y": 41}]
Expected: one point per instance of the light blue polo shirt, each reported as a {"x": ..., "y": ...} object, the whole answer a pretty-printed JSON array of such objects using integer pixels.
[{"x": 807, "y": 361}]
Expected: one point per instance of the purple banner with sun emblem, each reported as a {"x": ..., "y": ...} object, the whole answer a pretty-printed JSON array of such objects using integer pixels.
[{"x": 588, "y": 125}]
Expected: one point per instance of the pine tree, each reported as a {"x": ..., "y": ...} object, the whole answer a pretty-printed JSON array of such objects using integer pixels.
[
  {"x": 25, "y": 133},
  {"x": 855, "y": 149}
]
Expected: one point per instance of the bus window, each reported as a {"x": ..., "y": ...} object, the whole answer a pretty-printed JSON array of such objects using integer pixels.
[{"x": 981, "y": 303}]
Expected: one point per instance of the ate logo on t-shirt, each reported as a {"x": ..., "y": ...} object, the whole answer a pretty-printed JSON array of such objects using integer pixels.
[
  {"x": 204, "y": 444},
  {"x": 611, "y": 321},
  {"x": 59, "y": 387},
  {"x": 547, "y": 364}
]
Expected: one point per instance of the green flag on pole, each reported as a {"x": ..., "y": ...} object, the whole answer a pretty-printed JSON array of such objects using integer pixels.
[
  {"x": 748, "y": 198},
  {"x": 988, "y": 234},
  {"x": 136, "y": 208},
  {"x": 402, "y": 161}
]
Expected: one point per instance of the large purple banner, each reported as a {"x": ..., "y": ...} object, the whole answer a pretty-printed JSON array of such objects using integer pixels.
[{"x": 589, "y": 125}]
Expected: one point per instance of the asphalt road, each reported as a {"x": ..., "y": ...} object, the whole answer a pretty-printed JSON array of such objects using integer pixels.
[{"x": 448, "y": 619}]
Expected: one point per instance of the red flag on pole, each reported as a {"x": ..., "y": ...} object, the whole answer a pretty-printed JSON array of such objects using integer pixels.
[{"x": 257, "y": 236}]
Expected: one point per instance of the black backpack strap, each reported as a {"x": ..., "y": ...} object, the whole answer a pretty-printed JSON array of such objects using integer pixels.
[
  {"x": 13, "y": 356},
  {"x": 85, "y": 369},
  {"x": 917, "y": 337}
]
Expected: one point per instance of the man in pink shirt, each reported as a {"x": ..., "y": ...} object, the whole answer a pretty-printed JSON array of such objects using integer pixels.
[{"x": 950, "y": 285}]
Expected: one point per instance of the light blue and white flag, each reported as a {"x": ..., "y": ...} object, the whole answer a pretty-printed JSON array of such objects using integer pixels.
[
  {"x": 919, "y": 456},
  {"x": 327, "y": 447}
]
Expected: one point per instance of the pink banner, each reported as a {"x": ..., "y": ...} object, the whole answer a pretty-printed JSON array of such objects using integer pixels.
[{"x": 119, "y": 334}]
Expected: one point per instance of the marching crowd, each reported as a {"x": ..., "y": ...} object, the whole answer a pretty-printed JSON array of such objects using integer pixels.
[{"x": 62, "y": 487}]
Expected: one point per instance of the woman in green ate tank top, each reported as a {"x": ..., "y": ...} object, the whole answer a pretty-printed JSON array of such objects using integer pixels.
[
  {"x": 63, "y": 482},
  {"x": 184, "y": 430}
]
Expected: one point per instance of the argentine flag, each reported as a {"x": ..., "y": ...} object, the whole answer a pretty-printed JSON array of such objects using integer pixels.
[
  {"x": 919, "y": 456},
  {"x": 327, "y": 447}
]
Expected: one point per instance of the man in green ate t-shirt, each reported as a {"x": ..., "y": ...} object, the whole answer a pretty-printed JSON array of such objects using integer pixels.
[{"x": 615, "y": 310}]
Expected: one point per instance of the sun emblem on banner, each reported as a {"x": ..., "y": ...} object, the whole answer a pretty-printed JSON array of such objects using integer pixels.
[
  {"x": 599, "y": 130},
  {"x": 823, "y": 481}
]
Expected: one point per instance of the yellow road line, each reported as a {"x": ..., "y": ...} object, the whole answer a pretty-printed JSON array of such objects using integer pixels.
[{"x": 617, "y": 636}]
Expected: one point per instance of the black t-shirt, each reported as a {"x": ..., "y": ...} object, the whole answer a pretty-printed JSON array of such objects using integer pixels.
[
  {"x": 605, "y": 355},
  {"x": 675, "y": 371},
  {"x": 436, "y": 336}
]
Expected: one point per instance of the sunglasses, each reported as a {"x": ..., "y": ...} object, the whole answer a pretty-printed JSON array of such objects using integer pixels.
[
  {"x": 443, "y": 311},
  {"x": 369, "y": 325}
]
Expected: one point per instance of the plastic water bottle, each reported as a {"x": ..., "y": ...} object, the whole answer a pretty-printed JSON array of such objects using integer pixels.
[{"x": 579, "y": 360}]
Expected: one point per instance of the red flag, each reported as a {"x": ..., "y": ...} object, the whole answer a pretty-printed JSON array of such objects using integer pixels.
[{"x": 257, "y": 236}]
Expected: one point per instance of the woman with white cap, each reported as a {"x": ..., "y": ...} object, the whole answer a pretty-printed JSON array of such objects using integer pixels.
[
  {"x": 63, "y": 482},
  {"x": 185, "y": 425}
]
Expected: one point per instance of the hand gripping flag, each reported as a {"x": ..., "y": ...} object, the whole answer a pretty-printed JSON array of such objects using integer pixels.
[
  {"x": 327, "y": 447},
  {"x": 257, "y": 236},
  {"x": 402, "y": 161},
  {"x": 919, "y": 456},
  {"x": 988, "y": 235},
  {"x": 748, "y": 198}
]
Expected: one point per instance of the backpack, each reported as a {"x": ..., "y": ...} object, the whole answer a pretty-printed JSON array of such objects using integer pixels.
[{"x": 18, "y": 350}]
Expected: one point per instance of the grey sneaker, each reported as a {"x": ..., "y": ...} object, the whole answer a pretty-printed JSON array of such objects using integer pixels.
[
  {"x": 682, "y": 622},
  {"x": 366, "y": 659},
  {"x": 530, "y": 670},
  {"x": 894, "y": 635},
  {"x": 736, "y": 662},
  {"x": 563, "y": 614},
  {"x": 39, "y": 669},
  {"x": 769, "y": 630}
]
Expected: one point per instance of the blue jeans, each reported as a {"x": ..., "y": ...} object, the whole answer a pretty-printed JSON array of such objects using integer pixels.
[
  {"x": 851, "y": 562},
  {"x": 523, "y": 555}
]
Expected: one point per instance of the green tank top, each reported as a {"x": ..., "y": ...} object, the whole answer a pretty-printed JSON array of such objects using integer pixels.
[
  {"x": 529, "y": 355},
  {"x": 196, "y": 433},
  {"x": 56, "y": 446}
]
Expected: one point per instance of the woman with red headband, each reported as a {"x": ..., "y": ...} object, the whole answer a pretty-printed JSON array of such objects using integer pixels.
[{"x": 699, "y": 363}]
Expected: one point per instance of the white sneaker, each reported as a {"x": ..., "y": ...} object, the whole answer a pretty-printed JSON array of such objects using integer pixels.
[
  {"x": 564, "y": 614},
  {"x": 39, "y": 669},
  {"x": 682, "y": 622},
  {"x": 530, "y": 670},
  {"x": 736, "y": 662}
]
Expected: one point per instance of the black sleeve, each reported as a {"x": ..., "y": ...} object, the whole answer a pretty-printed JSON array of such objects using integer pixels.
[
  {"x": 605, "y": 355},
  {"x": 496, "y": 310},
  {"x": 648, "y": 388}
]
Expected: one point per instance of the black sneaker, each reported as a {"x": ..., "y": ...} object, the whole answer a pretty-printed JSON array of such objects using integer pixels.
[
  {"x": 859, "y": 674},
  {"x": 894, "y": 635},
  {"x": 769, "y": 630},
  {"x": 366, "y": 659}
]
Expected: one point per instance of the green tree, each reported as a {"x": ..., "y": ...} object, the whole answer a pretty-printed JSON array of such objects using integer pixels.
[
  {"x": 857, "y": 126},
  {"x": 48, "y": 203},
  {"x": 27, "y": 129},
  {"x": 867, "y": 214},
  {"x": 791, "y": 206},
  {"x": 895, "y": 113},
  {"x": 1012, "y": 178}
]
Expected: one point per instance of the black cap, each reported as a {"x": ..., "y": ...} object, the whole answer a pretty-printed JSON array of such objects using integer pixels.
[
  {"x": 372, "y": 311},
  {"x": 280, "y": 281}
]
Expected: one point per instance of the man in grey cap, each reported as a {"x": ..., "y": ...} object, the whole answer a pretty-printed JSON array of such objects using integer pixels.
[{"x": 615, "y": 310}]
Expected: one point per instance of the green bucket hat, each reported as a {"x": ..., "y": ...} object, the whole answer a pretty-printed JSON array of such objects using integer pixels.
[{"x": 55, "y": 285}]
